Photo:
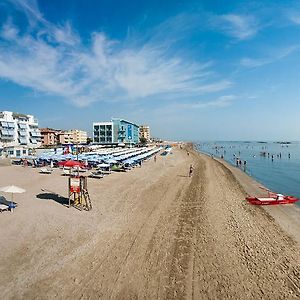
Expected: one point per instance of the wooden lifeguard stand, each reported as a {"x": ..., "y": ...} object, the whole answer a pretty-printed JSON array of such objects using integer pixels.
[{"x": 78, "y": 193}]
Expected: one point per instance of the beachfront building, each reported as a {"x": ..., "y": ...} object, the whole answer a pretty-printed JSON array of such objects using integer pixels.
[
  {"x": 18, "y": 133},
  {"x": 145, "y": 132},
  {"x": 79, "y": 136},
  {"x": 53, "y": 137},
  {"x": 49, "y": 136},
  {"x": 117, "y": 131},
  {"x": 65, "y": 137},
  {"x": 103, "y": 133}
]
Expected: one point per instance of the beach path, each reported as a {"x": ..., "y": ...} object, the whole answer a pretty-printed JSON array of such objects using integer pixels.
[{"x": 153, "y": 233}]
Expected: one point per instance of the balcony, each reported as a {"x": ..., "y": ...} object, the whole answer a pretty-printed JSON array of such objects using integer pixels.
[
  {"x": 22, "y": 133},
  {"x": 7, "y": 132},
  {"x": 23, "y": 141},
  {"x": 7, "y": 125},
  {"x": 35, "y": 134}
]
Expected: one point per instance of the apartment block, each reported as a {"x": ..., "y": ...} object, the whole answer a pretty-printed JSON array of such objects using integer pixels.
[
  {"x": 145, "y": 132},
  {"x": 19, "y": 130}
]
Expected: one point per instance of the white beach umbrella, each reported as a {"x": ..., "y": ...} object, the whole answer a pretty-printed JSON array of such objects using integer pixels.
[{"x": 13, "y": 190}]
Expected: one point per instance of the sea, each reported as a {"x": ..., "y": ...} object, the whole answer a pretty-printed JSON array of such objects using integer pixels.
[{"x": 274, "y": 164}]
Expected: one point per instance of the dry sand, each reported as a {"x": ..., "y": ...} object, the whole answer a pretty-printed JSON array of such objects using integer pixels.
[{"x": 153, "y": 233}]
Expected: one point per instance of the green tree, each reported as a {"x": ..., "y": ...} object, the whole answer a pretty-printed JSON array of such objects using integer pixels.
[{"x": 143, "y": 140}]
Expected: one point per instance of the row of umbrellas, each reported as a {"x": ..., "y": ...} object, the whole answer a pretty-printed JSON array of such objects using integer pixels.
[
  {"x": 129, "y": 157},
  {"x": 96, "y": 157}
]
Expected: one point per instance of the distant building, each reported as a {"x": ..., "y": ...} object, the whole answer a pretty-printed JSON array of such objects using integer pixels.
[
  {"x": 65, "y": 137},
  {"x": 79, "y": 136},
  {"x": 103, "y": 132},
  {"x": 52, "y": 137},
  {"x": 145, "y": 132},
  {"x": 18, "y": 133},
  {"x": 117, "y": 131},
  {"x": 49, "y": 136}
]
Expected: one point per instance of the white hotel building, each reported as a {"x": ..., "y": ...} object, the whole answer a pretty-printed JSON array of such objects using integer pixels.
[{"x": 18, "y": 133}]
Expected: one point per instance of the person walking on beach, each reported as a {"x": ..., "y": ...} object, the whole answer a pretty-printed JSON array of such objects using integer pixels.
[
  {"x": 191, "y": 171},
  {"x": 155, "y": 158}
]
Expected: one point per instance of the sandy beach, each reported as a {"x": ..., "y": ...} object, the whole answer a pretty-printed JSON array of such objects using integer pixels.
[{"x": 153, "y": 233}]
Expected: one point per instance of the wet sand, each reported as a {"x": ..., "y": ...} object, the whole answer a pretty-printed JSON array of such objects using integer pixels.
[{"x": 153, "y": 233}]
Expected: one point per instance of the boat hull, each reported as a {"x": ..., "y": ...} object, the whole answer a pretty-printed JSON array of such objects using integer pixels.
[{"x": 271, "y": 201}]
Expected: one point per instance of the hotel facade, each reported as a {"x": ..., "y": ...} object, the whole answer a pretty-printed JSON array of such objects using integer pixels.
[
  {"x": 18, "y": 133},
  {"x": 145, "y": 132},
  {"x": 53, "y": 137},
  {"x": 117, "y": 131}
]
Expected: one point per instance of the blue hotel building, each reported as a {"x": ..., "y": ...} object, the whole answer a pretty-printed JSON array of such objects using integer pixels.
[{"x": 117, "y": 131}]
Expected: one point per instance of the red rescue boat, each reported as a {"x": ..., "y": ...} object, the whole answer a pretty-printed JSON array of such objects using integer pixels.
[{"x": 272, "y": 199}]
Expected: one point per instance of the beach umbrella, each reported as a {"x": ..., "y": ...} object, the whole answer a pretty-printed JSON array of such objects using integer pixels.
[
  {"x": 13, "y": 190},
  {"x": 73, "y": 163}
]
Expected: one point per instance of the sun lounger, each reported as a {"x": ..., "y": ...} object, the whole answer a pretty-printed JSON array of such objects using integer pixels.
[
  {"x": 103, "y": 172},
  {"x": 4, "y": 201},
  {"x": 4, "y": 207},
  {"x": 66, "y": 172},
  {"x": 45, "y": 171},
  {"x": 96, "y": 175}
]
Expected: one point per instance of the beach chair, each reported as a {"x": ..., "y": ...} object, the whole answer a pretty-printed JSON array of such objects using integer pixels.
[
  {"x": 45, "y": 171},
  {"x": 96, "y": 174},
  {"x": 10, "y": 204},
  {"x": 66, "y": 172},
  {"x": 4, "y": 207}
]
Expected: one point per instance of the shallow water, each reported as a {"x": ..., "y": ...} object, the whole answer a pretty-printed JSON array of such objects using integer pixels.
[{"x": 282, "y": 174}]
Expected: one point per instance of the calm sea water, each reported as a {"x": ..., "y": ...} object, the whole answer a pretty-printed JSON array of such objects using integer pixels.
[{"x": 282, "y": 174}]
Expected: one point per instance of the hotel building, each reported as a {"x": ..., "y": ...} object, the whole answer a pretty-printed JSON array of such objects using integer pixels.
[
  {"x": 117, "y": 131},
  {"x": 52, "y": 137},
  {"x": 18, "y": 133},
  {"x": 145, "y": 132},
  {"x": 79, "y": 136},
  {"x": 49, "y": 136}
]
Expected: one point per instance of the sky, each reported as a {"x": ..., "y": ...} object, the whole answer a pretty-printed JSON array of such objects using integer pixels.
[{"x": 191, "y": 70}]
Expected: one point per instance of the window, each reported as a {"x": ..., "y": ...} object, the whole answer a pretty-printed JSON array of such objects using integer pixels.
[
  {"x": 18, "y": 153},
  {"x": 24, "y": 151}
]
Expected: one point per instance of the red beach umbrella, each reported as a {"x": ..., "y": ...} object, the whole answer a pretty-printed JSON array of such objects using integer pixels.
[{"x": 73, "y": 163}]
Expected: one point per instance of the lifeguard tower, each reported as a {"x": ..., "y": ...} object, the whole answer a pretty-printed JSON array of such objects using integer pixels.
[{"x": 78, "y": 193}]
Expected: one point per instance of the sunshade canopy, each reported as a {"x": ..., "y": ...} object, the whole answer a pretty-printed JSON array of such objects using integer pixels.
[{"x": 12, "y": 189}]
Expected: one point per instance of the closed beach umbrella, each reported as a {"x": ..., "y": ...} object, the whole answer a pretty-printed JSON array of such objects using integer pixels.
[{"x": 13, "y": 190}]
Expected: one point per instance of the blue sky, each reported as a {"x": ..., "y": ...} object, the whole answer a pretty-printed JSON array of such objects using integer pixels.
[{"x": 192, "y": 70}]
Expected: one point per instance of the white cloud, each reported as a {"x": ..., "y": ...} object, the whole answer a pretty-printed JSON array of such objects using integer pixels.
[
  {"x": 240, "y": 27},
  {"x": 52, "y": 59},
  {"x": 273, "y": 57}
]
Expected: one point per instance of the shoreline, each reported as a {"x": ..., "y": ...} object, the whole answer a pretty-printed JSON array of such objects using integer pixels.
[{"x": 287, "y": 215}]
